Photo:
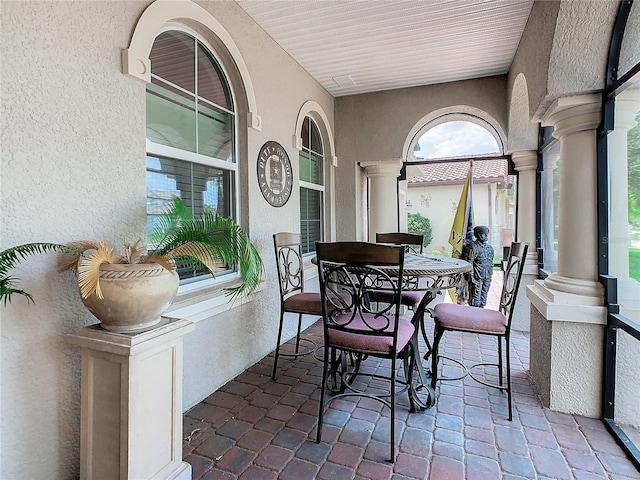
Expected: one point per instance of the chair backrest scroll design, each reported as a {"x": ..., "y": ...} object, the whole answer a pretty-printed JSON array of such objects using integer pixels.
[
  {"x": 348, "y": 271},
  {"x": 289, "y": 263}
]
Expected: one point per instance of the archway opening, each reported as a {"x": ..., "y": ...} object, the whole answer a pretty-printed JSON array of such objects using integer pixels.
[{"x": 441, "y": 154}]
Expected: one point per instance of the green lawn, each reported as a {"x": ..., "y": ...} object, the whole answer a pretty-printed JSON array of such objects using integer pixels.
[{"x": 634, "y": 263}]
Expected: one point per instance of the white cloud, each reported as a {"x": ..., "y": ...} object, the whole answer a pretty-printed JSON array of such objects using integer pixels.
[{"x": 454, "y": 139}]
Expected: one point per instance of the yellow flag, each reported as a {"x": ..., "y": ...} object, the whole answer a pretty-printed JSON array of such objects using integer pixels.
[{"x": 462, "y": 222}]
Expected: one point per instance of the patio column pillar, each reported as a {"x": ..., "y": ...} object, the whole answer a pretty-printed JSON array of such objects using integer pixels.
[
  {"x": 627, "y": 105},
  {"x": 383, "y": 195},
  {"x": 567, "y": 314},
  {"x": 575, "y": 120},
  {"x": 526, "y": 163}
]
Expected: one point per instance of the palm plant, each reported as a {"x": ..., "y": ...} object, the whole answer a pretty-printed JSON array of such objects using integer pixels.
[
  {"x": 10, "y": 257},
  {"x": 208, "y": 240}
]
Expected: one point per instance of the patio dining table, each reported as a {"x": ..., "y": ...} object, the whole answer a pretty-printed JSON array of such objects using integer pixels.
[{"x": 431, "y": 274}]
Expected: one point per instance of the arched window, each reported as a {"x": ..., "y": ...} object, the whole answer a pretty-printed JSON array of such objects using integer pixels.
[
  {"x": 311, "y": 161},
  {"x": 437, "y": 168},
  {"x": 190, "y": 130},
  {"x": 456, "y": 139}
]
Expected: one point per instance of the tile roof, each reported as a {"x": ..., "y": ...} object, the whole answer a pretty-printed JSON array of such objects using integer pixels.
[{"x": 444, "y": 173}]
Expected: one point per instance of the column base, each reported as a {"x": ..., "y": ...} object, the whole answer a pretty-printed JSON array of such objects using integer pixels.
[
  {"x": 566, "y": 349},
  {"x": 558, "y": 305},
  {"x": 586, "y": 292}
]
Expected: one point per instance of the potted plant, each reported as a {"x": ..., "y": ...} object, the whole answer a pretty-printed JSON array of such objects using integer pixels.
[{"x": 128, "y": 292}]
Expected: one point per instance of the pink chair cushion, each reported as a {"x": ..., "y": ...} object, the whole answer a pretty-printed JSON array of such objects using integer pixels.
[
  {"x": 410, "y": 298},
  {"x": 472, "y": 319},
  {"x": 306, "y": 303},
  {"x": 370, "y": 344}
]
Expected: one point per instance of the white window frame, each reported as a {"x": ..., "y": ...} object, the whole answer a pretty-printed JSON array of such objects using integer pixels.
[
  {"x": 152, "y": 148},
  {"x": 315, "y": 186}
]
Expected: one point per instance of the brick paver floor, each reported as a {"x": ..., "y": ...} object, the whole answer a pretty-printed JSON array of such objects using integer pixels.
[{"x": 254, "y": 428}]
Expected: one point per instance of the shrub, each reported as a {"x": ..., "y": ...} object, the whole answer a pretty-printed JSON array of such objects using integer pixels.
[{"x": 419, "y": 225}]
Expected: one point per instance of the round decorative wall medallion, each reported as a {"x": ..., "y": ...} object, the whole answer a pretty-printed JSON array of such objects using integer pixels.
[{"x": 275, "y": 176}]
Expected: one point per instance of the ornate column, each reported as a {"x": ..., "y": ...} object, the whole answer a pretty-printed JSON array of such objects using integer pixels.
[
  {"x": 383, "y": 196},
  {"x": 526, "y": 163},
  {"x": 567, "y": 311},
  {"x": 574, "y": 120}
]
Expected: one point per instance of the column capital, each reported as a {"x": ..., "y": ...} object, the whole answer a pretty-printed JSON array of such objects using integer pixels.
[
  {"x": 573, "y": 114},
  {"x": 382, "y": 168},
  {"x": 525, "y": 160}
]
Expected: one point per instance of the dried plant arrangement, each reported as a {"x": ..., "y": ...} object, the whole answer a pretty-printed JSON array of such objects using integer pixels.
[{"x": 208, "y": 240}]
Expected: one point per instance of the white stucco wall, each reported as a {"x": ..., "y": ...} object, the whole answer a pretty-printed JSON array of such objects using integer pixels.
[
  {"x": 581, "y": 27},
  {"x": 72, "y": 153},
  {"x": 441, "y": 209},
  {"x": 629, "y": 51},
  {"x": 532, "y": 61}
]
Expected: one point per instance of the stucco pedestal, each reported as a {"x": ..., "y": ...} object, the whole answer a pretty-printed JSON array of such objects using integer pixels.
[
  {"x": 566, "y": 351},
  {"x": 131, "y": 409}
]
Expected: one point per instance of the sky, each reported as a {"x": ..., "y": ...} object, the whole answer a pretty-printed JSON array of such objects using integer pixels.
[{"x": 456, "y": 139}]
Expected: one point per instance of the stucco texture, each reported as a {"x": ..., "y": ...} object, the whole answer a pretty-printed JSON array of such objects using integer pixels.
[{"x": 73, "y": 167}]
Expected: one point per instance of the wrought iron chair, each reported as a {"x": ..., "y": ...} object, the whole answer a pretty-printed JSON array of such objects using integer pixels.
[
  {"x": 413, "y": 244},
  {"x": 293, "y": 298},
  {"x": 348, "y": 272},
  {"x": 483, "y": 321}
]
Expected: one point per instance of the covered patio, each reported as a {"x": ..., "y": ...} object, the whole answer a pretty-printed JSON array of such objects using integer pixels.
[
  {"x": 109, "y": 108},
  {"x": 257, "y": 428}
]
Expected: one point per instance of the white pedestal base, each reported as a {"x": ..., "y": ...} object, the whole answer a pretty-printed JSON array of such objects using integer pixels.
[
  {"x": 566, "y": 350},
  {"x": 131, "y": 413}
]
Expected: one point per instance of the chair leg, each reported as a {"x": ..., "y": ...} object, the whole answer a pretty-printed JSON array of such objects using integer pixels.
[
  {"x": 500, "y": 367},
  {"x": 392, "y": 440},
  {"x": 408, "y": 364},
  {"x": 323, "y": 385},
  {"x": 509, "y": 394},
  {"x": 437, "y": 335},
  {"x": 275, "y": 359},
  {"x": 298, "y": 334}
]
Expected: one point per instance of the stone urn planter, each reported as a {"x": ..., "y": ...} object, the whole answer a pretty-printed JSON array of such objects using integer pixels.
[
  {"x": 135, "y": 295},
  {"x": 129, "y": 290}
]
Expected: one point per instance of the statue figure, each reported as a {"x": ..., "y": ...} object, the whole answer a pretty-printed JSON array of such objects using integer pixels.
[{"x": 479, "y": 254}]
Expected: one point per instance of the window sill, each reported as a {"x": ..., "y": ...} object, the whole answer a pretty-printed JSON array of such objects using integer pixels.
[{"x": 196, "y": 305}]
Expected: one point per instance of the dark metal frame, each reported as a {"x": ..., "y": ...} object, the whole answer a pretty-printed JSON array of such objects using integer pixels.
[
  {"x": 290, "y": 266},
  {"x": 347, "y": 272},
  {"x": 615, "y": 321},
  {"x": 510, "y": 287}
]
